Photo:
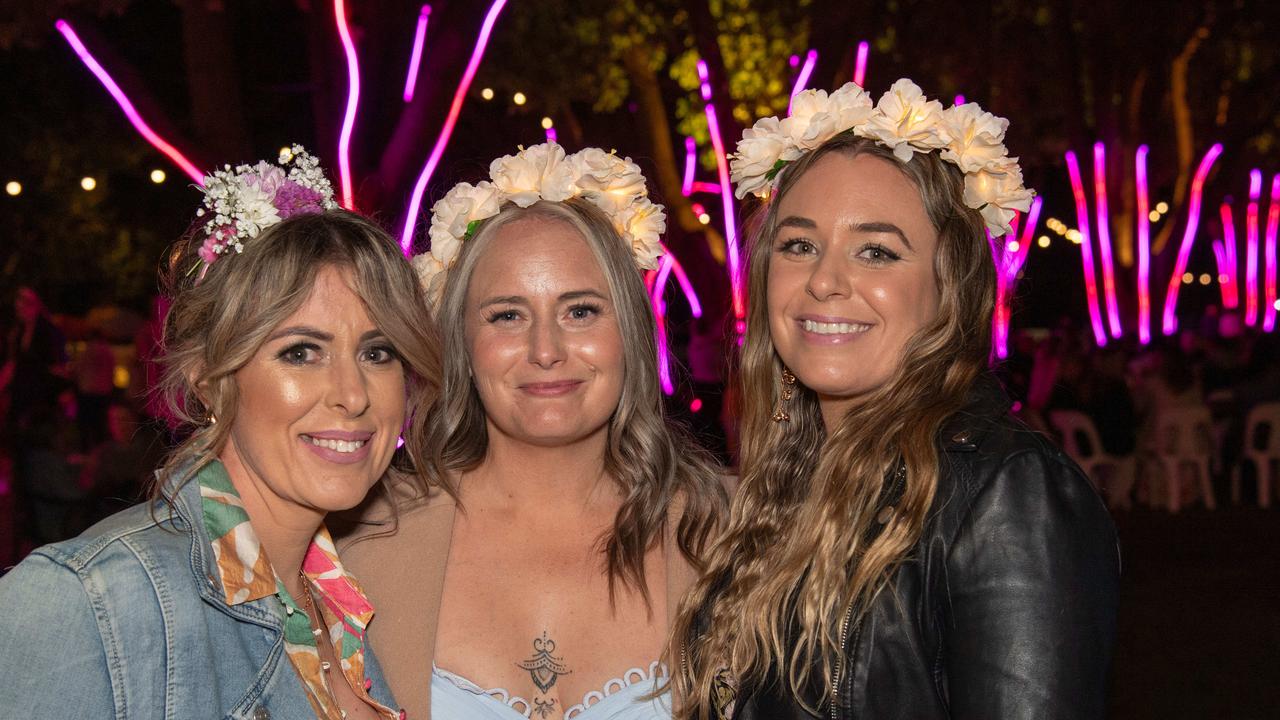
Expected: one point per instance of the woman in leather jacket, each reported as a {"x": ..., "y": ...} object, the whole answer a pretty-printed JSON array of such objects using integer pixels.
[{"x": 899, "y": 546}]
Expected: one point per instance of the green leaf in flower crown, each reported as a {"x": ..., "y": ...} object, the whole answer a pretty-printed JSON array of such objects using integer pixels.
[
  {"x": 773, "y": 171},
  {"x": 471, "y": 229}
]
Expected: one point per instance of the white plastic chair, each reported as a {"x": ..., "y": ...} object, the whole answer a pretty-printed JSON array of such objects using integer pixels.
[
  {"x": 1183, "y": 439},
  {"x": 1265, "y": 456},
  {"x": 1119, "y": 476}
]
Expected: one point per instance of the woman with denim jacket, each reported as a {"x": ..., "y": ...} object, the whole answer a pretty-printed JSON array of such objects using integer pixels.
[{"x": 294, "y": 345}]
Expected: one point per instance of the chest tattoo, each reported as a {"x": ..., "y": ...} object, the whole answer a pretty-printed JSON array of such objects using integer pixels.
[{"x": 544, "y": 669}]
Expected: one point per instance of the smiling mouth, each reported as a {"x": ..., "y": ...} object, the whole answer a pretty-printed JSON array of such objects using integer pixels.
[
  {"x": 342, "y": 446},
  {"x": 834, "y": 328}
]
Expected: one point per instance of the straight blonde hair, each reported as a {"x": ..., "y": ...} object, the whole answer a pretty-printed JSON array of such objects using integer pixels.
[{"x": 797, "y": 566}]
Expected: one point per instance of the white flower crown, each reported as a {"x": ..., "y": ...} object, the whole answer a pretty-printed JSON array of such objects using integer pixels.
[
  {"x": 905, "y": 121},
  {"x": 543, "y": 172},
  {"x": 247, "y": 200}
]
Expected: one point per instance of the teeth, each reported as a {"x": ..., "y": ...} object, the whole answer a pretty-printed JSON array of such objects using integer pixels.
[
  {"x": 343, "y": 446},
  {"x": 821, "y": 328}
]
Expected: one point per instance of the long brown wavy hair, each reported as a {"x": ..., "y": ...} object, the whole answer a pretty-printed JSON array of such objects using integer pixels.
[
  {"x": 797, "y": 565},
  {"x": 653, "y": 463}
]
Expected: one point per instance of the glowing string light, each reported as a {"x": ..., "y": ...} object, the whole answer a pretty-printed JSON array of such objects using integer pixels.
[
  {"x": 860, "y": 64},
  {"x": 802, "y": 80},
  {"x": 1104, "y": 237},
  {"x": 459, "y": 96},
  {"x": 415, "y": 56},
  {"x": 1269, "y": 274},
  {"x": 1086, "y": 249},
  {"x": 1169, "y": 320},
  {"x": 126, "y": 105},
  {"x": 726, "y": 195},
  {"x": 1251, "y": 250},
  {"x": 1227, "y": 262},
  {"x": 1144, "y": 245},
  {"x": 353, "y": 102}
]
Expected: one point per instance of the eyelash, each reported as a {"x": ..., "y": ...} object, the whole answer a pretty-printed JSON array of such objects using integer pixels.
[
  {"x": 385, "y": 354},
  {"x": 307, "y": 349},
  {"x": 790, "y": 247},
  {"x": 497, "y": 315},
  {"x": 593, "y": 309},
  {"x": 509, "y": 315},
  {"x": 889, "y": 255}
]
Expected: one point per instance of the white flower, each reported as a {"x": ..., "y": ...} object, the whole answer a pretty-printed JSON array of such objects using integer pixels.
[
  {"x": 256, "y": 211},
  {"x": 851, "y": 106},
  {"x": 642, "y": 224},
  {"x": 759, "y": 151},
  {"x": 539, "y": 172},
  {"x": 977, "y": 137},
  {"x": 996, "y": 193},
  {"x": 906, "y": 121},
  {"x": 453, "y": 213},
  {"x": 266, "y": 177},
  {"x": 808, "y": 125},
  {"x": 609, "y": 181}
]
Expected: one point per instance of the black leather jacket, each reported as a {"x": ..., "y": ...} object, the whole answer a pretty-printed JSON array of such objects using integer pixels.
[{"x": 1007, "y": 608}]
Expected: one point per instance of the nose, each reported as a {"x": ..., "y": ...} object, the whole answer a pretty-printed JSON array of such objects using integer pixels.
[
  {"x": 831, "y": 278},
  {"x": 348, "y": 388},
  {"x": 546, "y": 344}
]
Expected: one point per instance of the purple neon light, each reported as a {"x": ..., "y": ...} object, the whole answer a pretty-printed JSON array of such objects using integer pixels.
[
  {"x": 1227, "y": 266},
  {"x": 551, "y": 135},
  {"x": 353, "y": 102},
  {"x": 682, "y": 279},
  {"x": 1086, "y": 249},
  {"x": 690, "y": 157},
  {"x": 860, "y": 64},
  {"x": 1269, "y": 274},
  {"x": 415, "y": 57},
  {"x": 1144, "y": 246},
  {"x": 959, "y": 100},
  {"x": 1008, "y": 266},
  {"x": 1104, "y": 237},
  {"x": 459, "y": 96},
  {"x": 1169, "y": 320},
  {"x": 802, "y": 80},
  {"x": 126, "y": 105},
  {"x": 726, "y": 195},
  {"x": 1251, "y": 250}
]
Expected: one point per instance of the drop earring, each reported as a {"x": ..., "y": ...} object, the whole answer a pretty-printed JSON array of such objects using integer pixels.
[{"x": 788, "y": 389}]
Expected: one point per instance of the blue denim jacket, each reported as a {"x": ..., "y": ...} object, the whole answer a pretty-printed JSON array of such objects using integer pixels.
[{"x": 128, "y": 621}]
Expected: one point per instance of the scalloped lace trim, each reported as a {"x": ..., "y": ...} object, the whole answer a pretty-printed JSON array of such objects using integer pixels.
[{"x": 634, "y": 676}]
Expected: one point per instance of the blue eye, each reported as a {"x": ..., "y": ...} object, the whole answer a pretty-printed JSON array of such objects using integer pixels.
[{"x": 583, "y": 311}]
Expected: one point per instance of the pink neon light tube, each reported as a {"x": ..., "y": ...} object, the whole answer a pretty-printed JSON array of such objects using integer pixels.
[
  {"x": 860, "y": 64},
  {"x": 1269, "y": 275},
  {"x": 1086, "y": 250},
  {"x": 1227, "y": 266},
  {"x": 1104, "y": 237},
  {"x": 551, "y": 135},
  {"x": 353, "y": 102},
  {"x": 686, "y": 287},
  {"x": 806, "y": 70},
  {"x": 126, "y": 105},
  {"x": 690, "y": 158},
  {"x": 415, "y": 56},
  {"x": 726, "y": 195},
  {"x": 1144, "y": 246},
  {"x": 459, "y": 96},
  {"x": 656, "y": 280},
  {"x": 1251, "y": 250},
  {"x": 1169, "y": 320}
]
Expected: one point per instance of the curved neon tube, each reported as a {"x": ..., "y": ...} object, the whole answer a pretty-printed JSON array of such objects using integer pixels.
[
  {"x": 1269, "y": 274},
  {"x": 551, "y": 135},
  {"x": 690, "y": 158},
  {"x": 1007, "y": 273},
  {"x": 802, "y": 80},
  {"x": 1144, "y": 246},
  {"x": 415, "y": 57},
  {"x": 1169, "y": 320},
  {"x": 1086, "y": 250},
  {"x": 1227, "y": 264},
  {"x": 655, "y": 280},
  {"x": 860, "y": 65},
  {"x": 726, "y": 196},
  {"x": 686, "y": 287},
  {"x": 1251, "y": 250},
  {"x": 353, "y": 102},
  {"x": 459, "y": 96},
  {"x": 126, "y": 105},
  {"x": 1104, "y": 237}
]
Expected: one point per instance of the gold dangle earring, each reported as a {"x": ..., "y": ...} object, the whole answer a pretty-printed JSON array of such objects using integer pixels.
[{"x": 788, "y": 389}]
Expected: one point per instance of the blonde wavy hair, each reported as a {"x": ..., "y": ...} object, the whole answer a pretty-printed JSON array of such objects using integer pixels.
[
  {"x": 652, "y": 462},
  {"x": 797, "y": 565},
  {"x": 217, "y": 324}
]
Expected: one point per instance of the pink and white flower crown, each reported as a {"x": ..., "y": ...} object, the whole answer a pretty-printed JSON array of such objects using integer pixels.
[
  {"x": 544, "y": 172},
  {"x": 905, "y": 121},
  {"x": 251, "y": 198}
]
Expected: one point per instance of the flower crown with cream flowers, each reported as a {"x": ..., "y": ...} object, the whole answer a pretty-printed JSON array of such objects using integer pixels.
[
  {"x": 905, "y": 121},
  {"x": 544, "y": 172},
  {"x": 251, "y": 198}
]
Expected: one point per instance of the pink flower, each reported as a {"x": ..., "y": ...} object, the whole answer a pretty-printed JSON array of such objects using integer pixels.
[
  {"x": 206, "y": 251},
  {"x": 294, "y": 199}
]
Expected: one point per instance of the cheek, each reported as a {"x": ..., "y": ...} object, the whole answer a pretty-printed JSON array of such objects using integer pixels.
[
  {"x": 269, "y": 399},
  {"x": 390, "y": 396},
  {"x": 782, "y": 287},
  {"x": 601, "y": 348}
]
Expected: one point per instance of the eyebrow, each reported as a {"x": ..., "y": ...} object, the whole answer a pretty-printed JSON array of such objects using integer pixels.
[
  {"x": 796, "y": 221},
  {"x": 881, "y": 227},
  {"x": 521, "y": 300},
  {"x": 313, "y": 333}
]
